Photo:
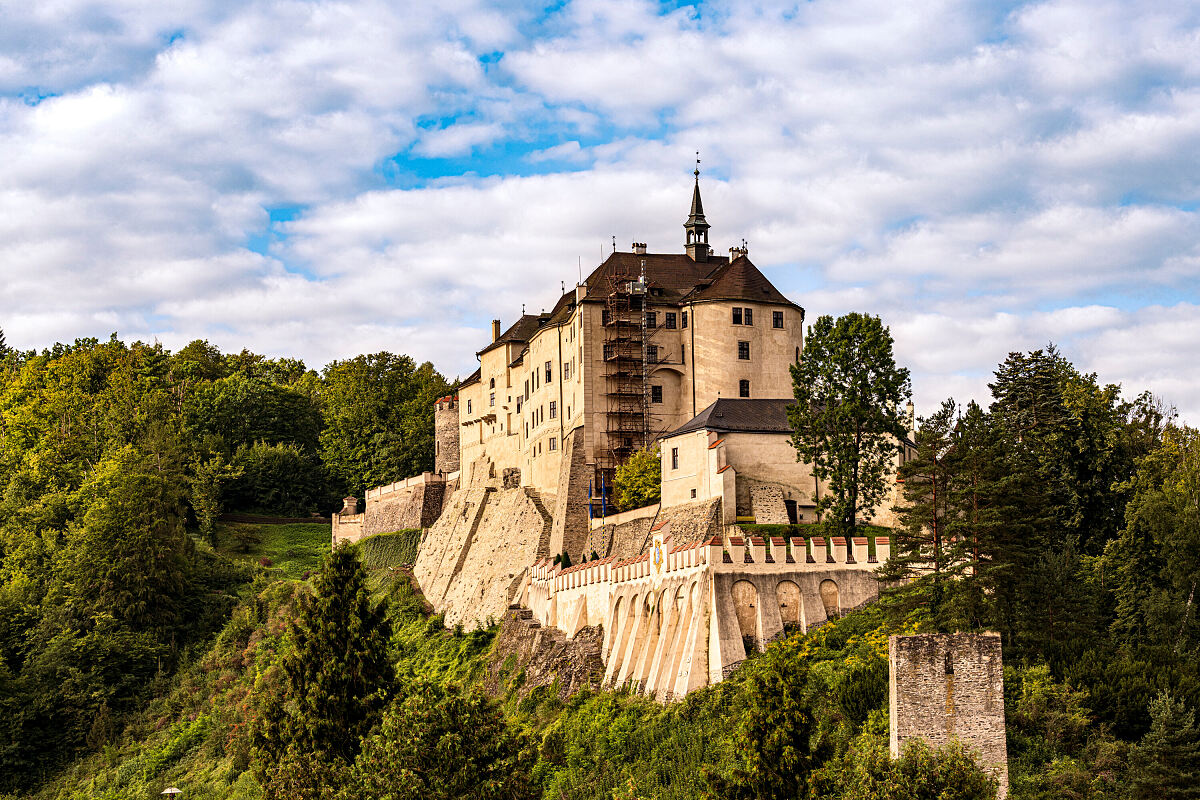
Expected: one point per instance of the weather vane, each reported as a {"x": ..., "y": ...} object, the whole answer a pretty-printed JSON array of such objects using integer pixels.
[{"x": 697, "y": 172}]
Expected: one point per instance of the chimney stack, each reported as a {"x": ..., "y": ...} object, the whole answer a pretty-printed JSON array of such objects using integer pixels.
[
  {"x": 495, "y": 329},
  {"x": 639, "y": 248}
]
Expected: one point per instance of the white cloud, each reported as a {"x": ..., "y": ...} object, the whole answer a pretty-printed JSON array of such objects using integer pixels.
[{"x": 986, "y": 179}]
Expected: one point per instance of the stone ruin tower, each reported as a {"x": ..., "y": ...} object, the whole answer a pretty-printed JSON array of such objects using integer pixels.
[
  {"x": 945, "y": 686},
  {"x": 445, "y": 435}
]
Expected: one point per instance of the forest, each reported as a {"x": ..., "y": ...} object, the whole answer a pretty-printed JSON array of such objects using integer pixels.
[{"x": 145, "y": 642}]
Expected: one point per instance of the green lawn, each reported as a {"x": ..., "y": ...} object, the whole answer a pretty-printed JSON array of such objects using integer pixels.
[{"x": 293, "y": 549}]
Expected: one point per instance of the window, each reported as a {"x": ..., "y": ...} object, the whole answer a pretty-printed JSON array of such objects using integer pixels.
[
  {"x": 518, "y": 404},
  {"x": 743, "y": 388},
  {"x": 553, "y": 443},
  {"x": 553, "y": 411},
  {"x": 748, "y": 315},
  {"x": 674, "y": 458},
  {"x": 670, "y": 322},
  {"x": 468, "y": 406},
  {"x": 652, "y": 352},
  {"x": 797, "y": 355},
  {"x": 603, "y": 317},
  {"x": 776, "y": 319},
  {"x": 526, "y": 430},
  {"x": 526, "y": 388},
  {"x": 492, "y": 400},
  {"x": 737, "y": 316},
  {"x": 549, "y": 373},
  {"x": 567, "y": 371},
  {"x": 744, "y": 351},
  {"x": 492, "y": 383},
  {"x": 651, "y": 319},
  {"x": 683, "y": 353},
  {"x": 683, "y": 321},
  {"x": 693, "y": 494},
  {"x": 655, "y": 394}
]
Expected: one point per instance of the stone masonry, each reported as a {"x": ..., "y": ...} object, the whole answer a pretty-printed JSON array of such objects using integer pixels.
[
  {"x": 446, "y": 438},
  {"x": 571, "y": 521},
  {"x": 412, "y": 503},
  {"x": 945, "y": 686}
]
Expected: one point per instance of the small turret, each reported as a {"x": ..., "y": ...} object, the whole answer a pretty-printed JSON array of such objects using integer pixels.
[{"x": 696, "y": 226}]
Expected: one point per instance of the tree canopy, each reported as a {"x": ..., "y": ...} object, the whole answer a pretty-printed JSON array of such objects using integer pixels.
[{"x": 848, "y": 417}]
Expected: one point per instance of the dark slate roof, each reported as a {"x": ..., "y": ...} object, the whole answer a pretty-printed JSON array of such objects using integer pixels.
[
  {"x": 740, "y": 415},
  {"x": 472, "y": 378},
  {"x": 683, "y": 280},
  {"x": 675, "y": 273},
  {"x": 738, "y": 280},
  {"x": 519, "y": 332}
]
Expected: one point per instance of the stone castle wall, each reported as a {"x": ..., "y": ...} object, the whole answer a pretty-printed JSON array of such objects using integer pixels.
[
  {"x": 945, "y": 686},
  {"x": 412, "y": 503},
  {"x": 570, "y": 517},
  {"x": 690, "y": 523},
  {"x": 475, "y": 559},
  {"x": 683, "y": 615}
]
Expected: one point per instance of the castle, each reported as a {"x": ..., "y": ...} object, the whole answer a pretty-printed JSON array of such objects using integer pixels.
[{"x": 688, "y": 353}]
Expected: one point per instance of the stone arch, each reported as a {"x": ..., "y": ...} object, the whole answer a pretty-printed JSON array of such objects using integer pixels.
[
  {"x": 745, "y": 603},
  {"x": 787, "y": 594},
  {"x": 831, "y": 599}
]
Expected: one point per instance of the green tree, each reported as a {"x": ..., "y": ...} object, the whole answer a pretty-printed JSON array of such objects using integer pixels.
[
  {"x": 276, "y": 478},
  {"x": 378, "y": 419},
  {"x": 1166, "y": 764},
  {"x": 207, "y": 480},
  {"x": 771, "y": 741},
  {"x": 638, "y": 481},
  {"x": 847, "y": 418},
  {"x": 335, "y": 680},
  {"x": 924, "y": 555},
  {"x": 244, "y": 410},
  {"x": 443, "y": 743}
]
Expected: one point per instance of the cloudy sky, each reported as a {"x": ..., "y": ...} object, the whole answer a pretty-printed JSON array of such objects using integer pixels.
[{"x": 321, "y": 179}]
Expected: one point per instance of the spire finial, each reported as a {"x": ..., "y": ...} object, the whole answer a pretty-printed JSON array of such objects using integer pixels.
[{"x": 697, "y": 170}]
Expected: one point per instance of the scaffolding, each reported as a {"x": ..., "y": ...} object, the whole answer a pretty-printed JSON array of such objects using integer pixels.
[{"x": 628, "y": 330}]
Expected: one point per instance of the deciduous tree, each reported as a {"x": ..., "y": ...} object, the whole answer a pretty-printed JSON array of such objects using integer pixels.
[{"x": 848, "y": 416}]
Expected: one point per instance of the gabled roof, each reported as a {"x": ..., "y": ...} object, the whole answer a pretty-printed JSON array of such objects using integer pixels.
[
  {"x": 738, "y": 280},
  {"x": 683, "y": 280},
  {"x": 675, "y": 273},
  {"x": 740, "y": 415},
  {"x": 518, "y": 333}
]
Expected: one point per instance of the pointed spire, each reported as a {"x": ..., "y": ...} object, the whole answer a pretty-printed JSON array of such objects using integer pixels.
[{"x": 696, "y": 242}]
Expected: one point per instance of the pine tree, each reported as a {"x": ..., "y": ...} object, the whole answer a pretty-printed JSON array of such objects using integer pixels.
[
  {"x": 924, "y": 550},
  {"x": 1166, "y": 764},
  {"x": 4, "y": 349},
  {"x": 336, "y": 679}
]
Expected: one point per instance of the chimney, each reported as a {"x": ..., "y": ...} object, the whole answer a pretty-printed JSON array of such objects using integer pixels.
[
  {"x": 639, "y": 248},
  {"x": 495, "y": 329}
]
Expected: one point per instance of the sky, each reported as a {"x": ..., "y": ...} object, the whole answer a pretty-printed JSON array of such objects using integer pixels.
[{"x": 323, "y": 179}]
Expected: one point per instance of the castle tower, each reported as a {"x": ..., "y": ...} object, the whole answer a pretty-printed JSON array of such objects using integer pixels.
[
  {"x": 445, "y": 435},
  {"x": 949, "y": 686},
  {"x": 696, "y": 226}
]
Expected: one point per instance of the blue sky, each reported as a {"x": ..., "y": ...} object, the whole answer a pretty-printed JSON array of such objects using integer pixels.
[{"x": 321, "y": 179}]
